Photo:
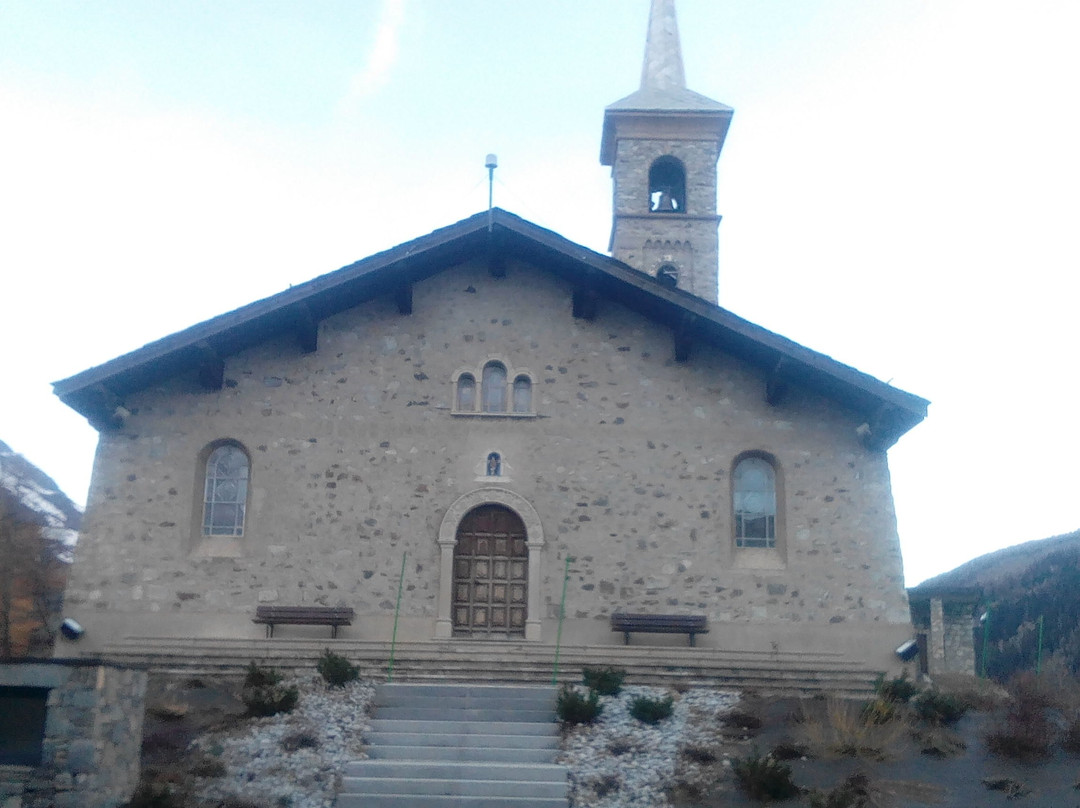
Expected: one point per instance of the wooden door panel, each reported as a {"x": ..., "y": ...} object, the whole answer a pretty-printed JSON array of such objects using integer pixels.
[{"x": 490, "y": 574}]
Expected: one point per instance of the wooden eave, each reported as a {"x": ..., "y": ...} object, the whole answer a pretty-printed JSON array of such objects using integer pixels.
[{"x": 95, "y": 393}]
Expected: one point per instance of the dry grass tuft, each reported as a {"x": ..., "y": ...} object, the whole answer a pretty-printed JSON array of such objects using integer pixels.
[{"x": 844, "y": 728}]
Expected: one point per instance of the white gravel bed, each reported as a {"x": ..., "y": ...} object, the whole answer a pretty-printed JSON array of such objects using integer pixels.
[
  {"x": 620, "y": 762},
  {"x": 260, "y": 769}
]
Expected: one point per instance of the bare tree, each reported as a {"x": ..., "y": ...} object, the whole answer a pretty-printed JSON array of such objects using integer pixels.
[{"x": 32, "y": 576}]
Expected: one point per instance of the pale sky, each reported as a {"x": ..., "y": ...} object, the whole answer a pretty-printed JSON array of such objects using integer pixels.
[{"x": 899, "y": 189}]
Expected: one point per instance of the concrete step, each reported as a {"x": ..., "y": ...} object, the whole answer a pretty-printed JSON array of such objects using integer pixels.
[
  {"x": 445, "y": 801},
  {"x": 463, "y": 753},
  {"x": 463, "y": 714},
  {"x": 436, "y": 770},
  {"x": 451, "y": 726},
  {"x": 437, "y": 746},
  {"x": 546, "y": 741},
  {"x": 454, "y": 787}
]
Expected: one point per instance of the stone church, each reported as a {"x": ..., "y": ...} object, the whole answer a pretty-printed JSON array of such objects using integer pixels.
[{"x": 493, "y": 409}]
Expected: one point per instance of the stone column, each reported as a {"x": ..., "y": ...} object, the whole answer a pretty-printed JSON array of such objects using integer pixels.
[
  {"x": 936, "y": 639},
  {"x": 444, "y": 626},
  {"x": 536, "y": 561}
]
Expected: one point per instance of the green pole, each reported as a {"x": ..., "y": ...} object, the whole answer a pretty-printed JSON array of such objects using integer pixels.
[
  {"x": 986, "y": 640},
  {"x": 562, "y": 614},
  {"x": 1038, "y": 654},
  {"x": 397, "y": 611}
]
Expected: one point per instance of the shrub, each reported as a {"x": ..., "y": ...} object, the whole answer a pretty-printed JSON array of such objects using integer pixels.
[
  {"x": 270, "y": 699},
  {"x": 336, "y": 670},
  {"x": 208, "y": 767},
  {"x": 740, "y": 719},
  {"x": 699, "y": 754},
  {"x": 156, "y": 795},
  {"x": 852, "y": 793},
  {"x": 1070, "y": 741},
  {"x": 939, "y": 708},
  {"x": 898, "y": 689},
  {"x": 258, "y": 676},
  {"x": 651, "y": 711},
  {"x": 300, "y": 739},
  {"x": 605, "y": 681},
  {"x": 763, "y": 778},
  {"x": 574, "y": 708}
]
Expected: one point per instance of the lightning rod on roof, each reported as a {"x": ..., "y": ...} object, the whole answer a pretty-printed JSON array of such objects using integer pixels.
[{"x": 491, "y": 162}]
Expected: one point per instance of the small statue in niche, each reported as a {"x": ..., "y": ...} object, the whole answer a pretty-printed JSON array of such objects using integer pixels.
[{"x": 494, "y": 465}]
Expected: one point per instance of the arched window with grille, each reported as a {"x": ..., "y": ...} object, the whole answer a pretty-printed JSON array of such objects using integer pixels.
[
  {"x": 493, "y": 387},
  {"x": 754, "y": 494},
  {"x": 225, "y": 492}
]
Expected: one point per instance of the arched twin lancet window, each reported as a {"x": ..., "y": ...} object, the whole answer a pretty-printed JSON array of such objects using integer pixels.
[
  {"x": 754, "y": 491},
  {"x": 496, "y": 394},
  {"x": 225, "y": 492}
]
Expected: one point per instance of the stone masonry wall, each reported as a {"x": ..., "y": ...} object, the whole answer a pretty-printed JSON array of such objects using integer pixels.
[
  {"x": 356, "y": 456},
  {"x": 959, "y": 639},
  {"x": 93, "y": 734}
]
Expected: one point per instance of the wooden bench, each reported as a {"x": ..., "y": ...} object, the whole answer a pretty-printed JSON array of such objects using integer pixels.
[
  {"x": 691, "y": 624},
  {"x": 333, "y": 616}
]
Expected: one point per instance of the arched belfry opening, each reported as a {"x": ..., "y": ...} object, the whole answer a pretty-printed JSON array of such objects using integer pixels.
[{"x": 667, "y": 186}]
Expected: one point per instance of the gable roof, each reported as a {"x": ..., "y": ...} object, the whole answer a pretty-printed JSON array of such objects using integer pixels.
[{"x": 496, "y": 236}]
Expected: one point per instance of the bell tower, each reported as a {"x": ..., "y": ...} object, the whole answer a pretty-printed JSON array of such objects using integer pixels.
[{"x": 662, "y": 143}]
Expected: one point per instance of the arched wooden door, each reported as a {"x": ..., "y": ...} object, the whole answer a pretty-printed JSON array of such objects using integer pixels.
[{"x": 491, "y": 567}]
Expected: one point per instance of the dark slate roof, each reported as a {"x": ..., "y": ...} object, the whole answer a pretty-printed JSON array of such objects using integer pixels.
[{"x": 97, "y": 392}]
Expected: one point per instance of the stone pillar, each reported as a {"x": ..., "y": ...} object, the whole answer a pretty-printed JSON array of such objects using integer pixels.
[
  {"x": 937, "y": 637},
  {"x": 444, "y": 626},
  {"x": 536, "y": 561}
]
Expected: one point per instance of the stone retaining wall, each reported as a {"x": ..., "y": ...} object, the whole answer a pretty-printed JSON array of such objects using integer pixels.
[{"x": 91, "y": 736}]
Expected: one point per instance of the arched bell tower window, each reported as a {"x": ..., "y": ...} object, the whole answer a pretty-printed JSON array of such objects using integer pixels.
[
  {"x": 668, "y": 275},
  {"x": 667, "y": 186}
]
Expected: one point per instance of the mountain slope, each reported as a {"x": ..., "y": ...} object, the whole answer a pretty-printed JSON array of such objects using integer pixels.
[{"x": 1032, "y": 589}]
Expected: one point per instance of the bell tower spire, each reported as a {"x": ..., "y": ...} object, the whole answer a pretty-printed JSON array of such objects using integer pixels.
[
  {"x": 663, "y": 65},
  {"x": 662, "y": 143}
]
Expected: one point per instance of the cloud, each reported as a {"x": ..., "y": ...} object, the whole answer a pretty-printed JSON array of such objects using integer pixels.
[{"x": 383, "y": 54}]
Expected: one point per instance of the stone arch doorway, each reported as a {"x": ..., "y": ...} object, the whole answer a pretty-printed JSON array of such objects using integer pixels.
[
  {"x": 491, "y": 564},
  {"x": 498, "y": 511}
]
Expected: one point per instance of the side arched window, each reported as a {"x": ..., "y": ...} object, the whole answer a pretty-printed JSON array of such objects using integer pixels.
[
  {"x": 522, "y": 394},
  {"x": 225, "y": 493},
  {"x": 667, "y": 186},
  {"x": 493, "y": 387},
  {"x": 754, "y": 483},
  {"x": 466, "y": 393}
]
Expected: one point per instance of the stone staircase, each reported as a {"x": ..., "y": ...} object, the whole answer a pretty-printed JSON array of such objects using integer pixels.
[
  {"x": 779, "y": 672},
  {"x": 444, "y": 745}
]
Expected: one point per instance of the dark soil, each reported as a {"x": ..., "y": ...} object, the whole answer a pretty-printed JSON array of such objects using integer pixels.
[{"x": 918, "y": 765}]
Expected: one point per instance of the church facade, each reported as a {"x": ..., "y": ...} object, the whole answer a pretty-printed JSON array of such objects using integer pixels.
[{"x": 492, "y": 408}]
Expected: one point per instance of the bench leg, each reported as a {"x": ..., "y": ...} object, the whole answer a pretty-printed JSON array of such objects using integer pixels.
[
  {"x": 269, "y": 630},
  {"x": 626, "y": 638},
  {"x": 691, "y": 639},
  {"x": 333, "y": 632}
]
